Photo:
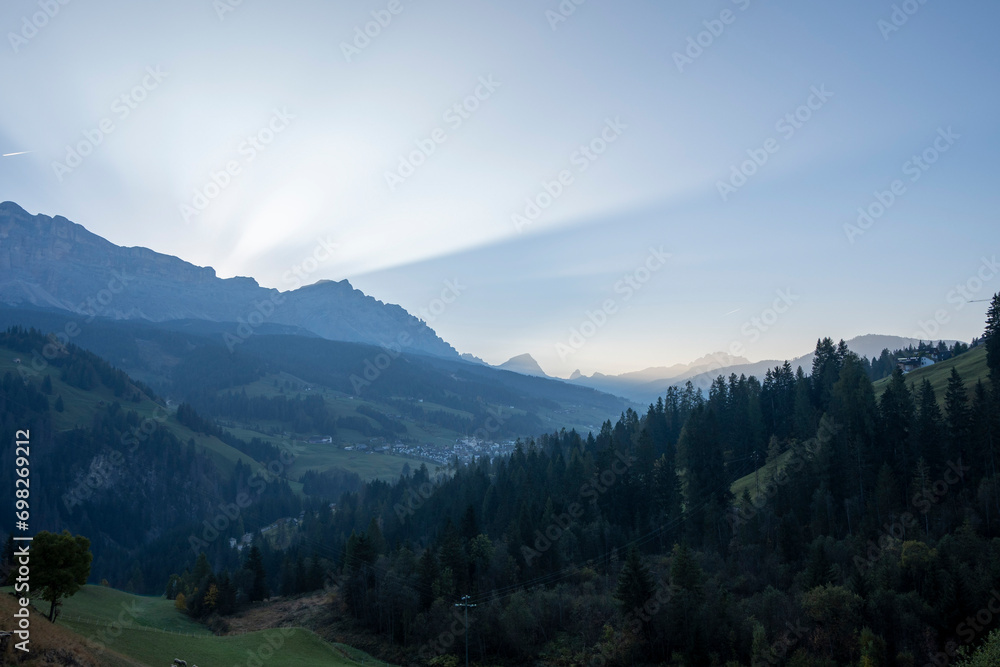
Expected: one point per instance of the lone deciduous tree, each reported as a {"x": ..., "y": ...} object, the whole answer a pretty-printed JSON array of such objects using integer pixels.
[{"x": 60, "y": 565}]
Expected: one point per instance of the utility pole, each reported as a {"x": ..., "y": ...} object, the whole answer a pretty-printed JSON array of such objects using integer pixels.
[{"x": 465, "y": 603}]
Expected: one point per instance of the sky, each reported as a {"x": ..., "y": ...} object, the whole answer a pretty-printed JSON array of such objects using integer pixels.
[{"x": 607, "y": 186}]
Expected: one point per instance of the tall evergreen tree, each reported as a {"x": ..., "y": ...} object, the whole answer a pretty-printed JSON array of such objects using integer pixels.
[
  {"x": 991, "y": 338},
  {"x": 255, "y": 565},
  {"x": 706, "y": 488},
  {"x": 896, "y": 408},
  {"x": 635, "y": 585},
  {"x": 929, "y": 433},
  {"x": 958, "y": 421}
]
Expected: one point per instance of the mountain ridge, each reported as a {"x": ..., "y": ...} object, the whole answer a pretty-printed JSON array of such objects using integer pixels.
[
  {"x": 52, "y": 262},
  {"x": 635, "y": 386}
]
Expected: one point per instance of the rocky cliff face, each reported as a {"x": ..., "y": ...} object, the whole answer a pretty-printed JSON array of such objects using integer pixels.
[{"x": 52, "y": 262}]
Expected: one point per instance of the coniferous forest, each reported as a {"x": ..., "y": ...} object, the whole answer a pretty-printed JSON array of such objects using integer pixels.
[
  {"x": 869, "y": 536},
  {"x": 811, "y": 517}
]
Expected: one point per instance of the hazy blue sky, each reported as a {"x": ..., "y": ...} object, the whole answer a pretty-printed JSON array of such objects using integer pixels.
[{"x": 330, "y": 122}]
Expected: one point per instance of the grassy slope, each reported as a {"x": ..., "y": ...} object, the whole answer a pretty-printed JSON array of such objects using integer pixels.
[
  {"x": 153, "y": 632},
  {"x": 971, "y": 366},
  {"x": 80, "y": 405},
  {"x": 56, "y": 644},
  {"x": 767, "y": 472},
  {"x": 320, "y": 457}
]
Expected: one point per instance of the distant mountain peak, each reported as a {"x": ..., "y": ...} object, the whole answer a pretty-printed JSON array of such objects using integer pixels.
[
  {"x": 471, "y": 358},
  {"x": 524, "y": 364},
  {"x": 575, "y": 374}
]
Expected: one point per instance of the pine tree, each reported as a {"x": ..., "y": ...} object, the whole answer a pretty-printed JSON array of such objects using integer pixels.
[
  {"x": 929, "y": 435},
  {"x": 427, "y": 574},
  {"x": 991, "y": 338},
  {"x": 635, "y": 585},
  {"x": 707, "y": 493},
  {"x": 825, "y": 372},
  {"x": 920, "y": 484},
  {"x": 956, "y": 402},
  {"x": 255, "y": 565},
  {"x": 896, "y": 408}
]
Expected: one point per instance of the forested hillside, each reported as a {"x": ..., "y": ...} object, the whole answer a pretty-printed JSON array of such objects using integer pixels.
[
  {"x": 870, "y": 534},
  {"x": 111, "y": 462},
  {"x": 875, "y": 543}
]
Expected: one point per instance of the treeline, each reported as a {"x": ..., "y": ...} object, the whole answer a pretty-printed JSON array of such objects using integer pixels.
[
  {"x": 330, "y": 483},
  {"x": 883, "y": 365},
  {"x": 485, "y": 423},
  {"x": 302, "y": 414},
  {"x": 124, "y": 479},
  {"x": 871, "y": 538},
  {"x": 258, "y": 448},
  {"x": 77, "y": 367},
  {"x": 200, "y": 592}
]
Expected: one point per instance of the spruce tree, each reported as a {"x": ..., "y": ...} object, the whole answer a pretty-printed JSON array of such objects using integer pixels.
[
  {"x": 956, "y": 403},
  {"x": 635, "y": 585},
  {"x": 991, "y": 338},
  {"x": 255, "y": 565}
]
